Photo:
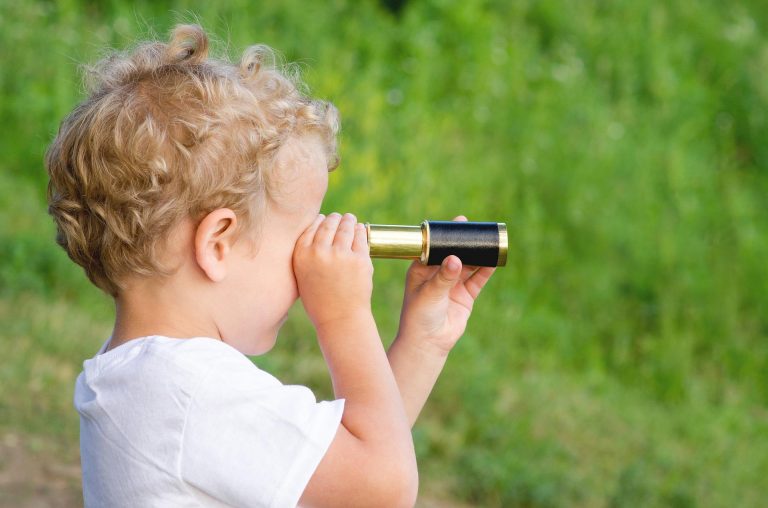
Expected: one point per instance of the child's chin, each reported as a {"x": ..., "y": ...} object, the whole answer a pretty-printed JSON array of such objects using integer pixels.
[{"x": 263, "y": 345}]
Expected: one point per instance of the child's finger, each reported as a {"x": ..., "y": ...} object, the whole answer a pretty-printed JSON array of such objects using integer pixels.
[
  {"x": 476, "y": 282},
  {"x": 360, "y": 240},
  {"x": 445, "y": 278},
  {"x": 309, "y": 234},
  {"x": 346, "y": 232},
  {"x": 467, "y": 271},
  {"x": 327, "y": 230},
  {"x": 418, "y": 274}
]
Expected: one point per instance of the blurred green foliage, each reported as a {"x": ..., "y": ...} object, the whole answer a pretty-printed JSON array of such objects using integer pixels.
[{"x": 620, "y": 359}]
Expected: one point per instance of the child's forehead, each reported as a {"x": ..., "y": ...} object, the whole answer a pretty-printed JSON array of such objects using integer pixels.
[
  {"x": 300, "y": 175},
  {"x": 301, "y": 157},
  {"x": 305, "y": 146}
]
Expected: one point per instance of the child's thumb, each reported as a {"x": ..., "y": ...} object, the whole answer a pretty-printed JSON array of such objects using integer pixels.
[{"x": 446, "y": 277}]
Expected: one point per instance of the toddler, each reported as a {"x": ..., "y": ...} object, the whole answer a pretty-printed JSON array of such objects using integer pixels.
[{"x": 189, "y": 189}]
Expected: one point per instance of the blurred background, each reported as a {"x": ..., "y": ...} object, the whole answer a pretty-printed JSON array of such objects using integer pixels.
[{"x": 620, "y": 359}]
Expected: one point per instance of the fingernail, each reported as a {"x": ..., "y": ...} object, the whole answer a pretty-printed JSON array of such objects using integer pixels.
[{"x": 453, "y": 265}]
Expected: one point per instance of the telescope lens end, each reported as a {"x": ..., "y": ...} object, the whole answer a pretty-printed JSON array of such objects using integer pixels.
[{"x": 503, "y": 244}]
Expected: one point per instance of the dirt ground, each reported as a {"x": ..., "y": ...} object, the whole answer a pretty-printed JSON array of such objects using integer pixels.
[{"x": 33, "y": 475}]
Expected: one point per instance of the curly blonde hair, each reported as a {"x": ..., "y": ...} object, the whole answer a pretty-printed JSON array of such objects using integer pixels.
[{"x": 165, "y": 134}]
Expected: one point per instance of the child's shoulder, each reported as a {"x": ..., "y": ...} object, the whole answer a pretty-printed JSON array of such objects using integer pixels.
[
  {"x": 158, "y": 363},
  {"x": 184, "y": 351},
  {"x": 163, "y": 375}
]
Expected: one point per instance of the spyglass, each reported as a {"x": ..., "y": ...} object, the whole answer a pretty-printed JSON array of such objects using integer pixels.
[{"x": 475, "y": 243}]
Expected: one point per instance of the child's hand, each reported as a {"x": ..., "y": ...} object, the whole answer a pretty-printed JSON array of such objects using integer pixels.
[
  {"x": 439, "y": 300},
  {"x": 333, "y": 269}
]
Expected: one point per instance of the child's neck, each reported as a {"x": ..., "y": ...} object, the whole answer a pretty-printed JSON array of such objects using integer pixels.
[{"x": 143, "y": 311}]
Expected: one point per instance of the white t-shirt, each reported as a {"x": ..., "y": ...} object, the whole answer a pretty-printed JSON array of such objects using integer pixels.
[{"x": 192, "y": 422}]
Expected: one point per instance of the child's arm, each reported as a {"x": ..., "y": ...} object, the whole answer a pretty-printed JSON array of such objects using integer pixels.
[
  {"x": 438, "y": 302},
  {"x": 371, "y": 461}
]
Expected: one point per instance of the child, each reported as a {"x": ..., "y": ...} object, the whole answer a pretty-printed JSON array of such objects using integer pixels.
[{"x": 189, "y": 189}]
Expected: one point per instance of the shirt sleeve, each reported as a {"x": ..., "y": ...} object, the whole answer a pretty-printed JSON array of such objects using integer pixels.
[{"x": 249, "y": 440}]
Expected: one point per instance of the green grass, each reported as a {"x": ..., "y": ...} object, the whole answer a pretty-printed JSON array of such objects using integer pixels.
[{"x": 620, "y": 359}]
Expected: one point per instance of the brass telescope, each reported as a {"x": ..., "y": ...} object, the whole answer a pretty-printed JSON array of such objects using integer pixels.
[{"x": 475, "y": 243}]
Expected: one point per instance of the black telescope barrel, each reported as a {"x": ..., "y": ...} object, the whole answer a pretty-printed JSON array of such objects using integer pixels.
[{"x": 475, "y": 243}]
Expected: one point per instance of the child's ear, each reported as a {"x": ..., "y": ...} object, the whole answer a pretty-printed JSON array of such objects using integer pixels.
[{"x": 214, "y": 238}]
